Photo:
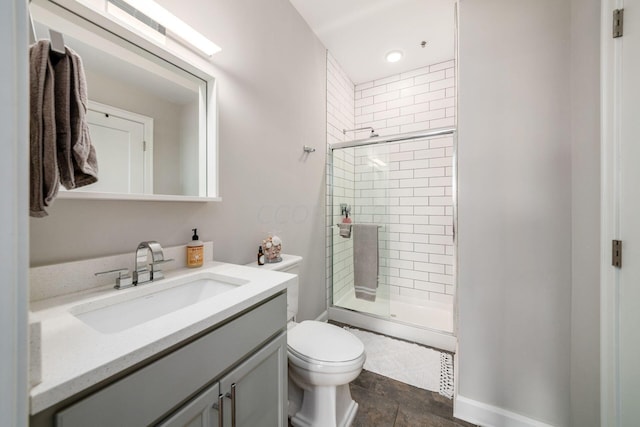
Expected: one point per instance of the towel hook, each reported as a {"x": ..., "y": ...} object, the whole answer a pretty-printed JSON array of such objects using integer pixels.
[
  {"x": 308, "y": 149},
  {"x": 57, "y": 42}
]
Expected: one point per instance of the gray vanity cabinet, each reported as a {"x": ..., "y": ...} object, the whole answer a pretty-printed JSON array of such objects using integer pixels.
[
  {"x": 252, "y": 395},
  {"x": 258, "y": 389},
  {"x": 200, "y": 412},
  {"x": 239, "y": 366}
]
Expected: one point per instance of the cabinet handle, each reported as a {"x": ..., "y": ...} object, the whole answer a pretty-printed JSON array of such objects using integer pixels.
[
  {"x": 218, "y": 406},
  {"x": 233, "y": 405},
  {"x": 232, "y": 396}
]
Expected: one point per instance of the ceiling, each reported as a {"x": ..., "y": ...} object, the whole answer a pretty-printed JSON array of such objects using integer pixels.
[{"x": 359, "y": 33}]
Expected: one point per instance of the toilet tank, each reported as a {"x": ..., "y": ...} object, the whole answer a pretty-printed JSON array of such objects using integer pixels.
[{"x": 289, "y": 264}]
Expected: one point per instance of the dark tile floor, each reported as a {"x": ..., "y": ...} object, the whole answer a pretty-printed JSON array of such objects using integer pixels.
[{"x": 383, "y": 402}]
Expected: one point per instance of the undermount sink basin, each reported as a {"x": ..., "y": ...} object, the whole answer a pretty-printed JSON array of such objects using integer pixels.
[{"x": 119, "y": 313}]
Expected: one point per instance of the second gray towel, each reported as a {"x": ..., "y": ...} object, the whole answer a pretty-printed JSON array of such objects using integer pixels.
[{"x": 365, "y": 260}]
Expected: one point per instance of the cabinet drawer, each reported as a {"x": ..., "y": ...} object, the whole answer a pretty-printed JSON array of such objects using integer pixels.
[{"x": 144, "y": 396}]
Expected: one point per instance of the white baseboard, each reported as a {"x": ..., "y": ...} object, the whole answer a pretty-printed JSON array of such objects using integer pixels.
[{"x": 490, "y": 416}]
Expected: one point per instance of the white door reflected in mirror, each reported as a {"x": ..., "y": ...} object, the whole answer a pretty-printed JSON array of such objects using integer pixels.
[{"x": 121, "y": 144}]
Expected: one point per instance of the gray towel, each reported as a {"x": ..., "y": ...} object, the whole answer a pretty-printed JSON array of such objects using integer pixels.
[
  {"x": 59, "y": 142},
  {"x": 43, "y": 166},
  {"x": 62, "y": 73},
  {"x": 83, "y": 154},
  {"x": 365, "y": 260},
  {"x": 76, "y": 156}
]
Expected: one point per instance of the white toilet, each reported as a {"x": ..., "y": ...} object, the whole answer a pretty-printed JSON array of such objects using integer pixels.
[{"x": 323, "y": 360}]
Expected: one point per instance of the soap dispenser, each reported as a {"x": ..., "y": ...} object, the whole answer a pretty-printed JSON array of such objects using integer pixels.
[{"x": 195, "y": 251}]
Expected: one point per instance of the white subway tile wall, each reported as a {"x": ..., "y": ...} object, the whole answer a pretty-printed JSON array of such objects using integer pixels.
[
  {"x": 416, "y": 100},
  {"x": 406, "y": 186},
  {"x": 340, "y": 174}
]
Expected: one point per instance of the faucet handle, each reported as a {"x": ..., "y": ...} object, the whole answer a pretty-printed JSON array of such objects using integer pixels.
[
  {"x": 157, "y": 274},
  {"x": 123, "y": 281}
]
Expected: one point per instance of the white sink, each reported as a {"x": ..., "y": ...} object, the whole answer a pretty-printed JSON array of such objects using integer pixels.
[{"x": 121, "y": 312}]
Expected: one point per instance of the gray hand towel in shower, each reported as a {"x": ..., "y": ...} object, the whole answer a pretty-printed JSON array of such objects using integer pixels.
[{"x": 365, "y": 260}]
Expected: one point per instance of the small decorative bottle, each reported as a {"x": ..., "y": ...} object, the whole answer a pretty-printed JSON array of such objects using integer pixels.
[{"x": 260, "y": 256}]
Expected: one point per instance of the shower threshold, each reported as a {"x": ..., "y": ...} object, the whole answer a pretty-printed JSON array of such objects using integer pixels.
[{"x": 393, "y": 326}]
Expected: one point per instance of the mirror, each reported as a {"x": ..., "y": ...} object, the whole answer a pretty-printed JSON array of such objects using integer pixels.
[{"x": 150, "y": 113}]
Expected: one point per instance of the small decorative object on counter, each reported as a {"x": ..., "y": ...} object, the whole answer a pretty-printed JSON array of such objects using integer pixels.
[
  {"x": 272, "y": 246},
  {"x": 260, "y": 256},
  {"x": 195, "y": 251}
]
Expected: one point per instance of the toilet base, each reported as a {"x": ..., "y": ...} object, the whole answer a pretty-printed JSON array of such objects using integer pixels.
[{"x": 326, "y": 407}]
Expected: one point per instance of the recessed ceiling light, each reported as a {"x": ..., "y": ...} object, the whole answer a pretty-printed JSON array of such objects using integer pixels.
[{"x": 394, "y": 56}]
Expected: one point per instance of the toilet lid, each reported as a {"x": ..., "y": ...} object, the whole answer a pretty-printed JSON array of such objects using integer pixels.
[{"x": 324, "y": 342}]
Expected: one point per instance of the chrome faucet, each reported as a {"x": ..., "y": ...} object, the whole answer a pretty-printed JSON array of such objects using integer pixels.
[
  {"x": 145, "y": 271},
  {"x": 148, "y": 271}
]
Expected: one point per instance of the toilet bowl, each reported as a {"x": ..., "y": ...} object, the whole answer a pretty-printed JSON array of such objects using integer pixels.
[{"x": 323, "y": 359}]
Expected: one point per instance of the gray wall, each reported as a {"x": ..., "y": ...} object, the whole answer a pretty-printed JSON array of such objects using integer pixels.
[
  {"x": 585, "y": 201},
  {"x": 529, "y": 249},
  {"x": 514, "y": 199},
  {"x": 272, "y": 77}
]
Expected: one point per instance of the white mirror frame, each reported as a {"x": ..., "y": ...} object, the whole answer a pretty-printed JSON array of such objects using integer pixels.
[{"x": 177, "y": 55}]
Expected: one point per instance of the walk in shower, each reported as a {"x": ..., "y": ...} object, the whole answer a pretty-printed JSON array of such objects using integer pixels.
[{"x": 404, "y": 187}]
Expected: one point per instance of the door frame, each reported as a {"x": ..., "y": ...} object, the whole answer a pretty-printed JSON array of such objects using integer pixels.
[
  {"x": 14, "y": 214},
  {"x": 147, "y": 124},
  {"x": 610, "y": 117}
]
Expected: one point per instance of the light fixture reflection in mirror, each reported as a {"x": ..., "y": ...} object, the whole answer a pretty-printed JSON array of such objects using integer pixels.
[
  {"x": 147, "y": 117},
  {"x": 175, "y": 25}
]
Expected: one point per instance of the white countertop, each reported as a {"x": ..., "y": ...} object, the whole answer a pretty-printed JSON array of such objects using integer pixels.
[{"x": 76, "y": 356}]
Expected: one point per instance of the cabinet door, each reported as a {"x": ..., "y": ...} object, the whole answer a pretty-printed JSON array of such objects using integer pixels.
[
  {"x": 203, "y": 411},
  {"x": 256, "y": 391}
]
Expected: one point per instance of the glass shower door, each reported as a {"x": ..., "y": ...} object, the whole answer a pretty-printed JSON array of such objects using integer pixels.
[
  {"x": 360, "y": 195},
  {"x": 405, "y": 187}
]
